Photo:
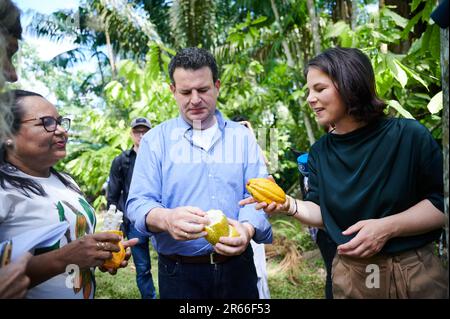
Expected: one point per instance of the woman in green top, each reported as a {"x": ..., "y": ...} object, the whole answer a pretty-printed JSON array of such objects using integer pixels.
[{"x": 375, "y": 185}]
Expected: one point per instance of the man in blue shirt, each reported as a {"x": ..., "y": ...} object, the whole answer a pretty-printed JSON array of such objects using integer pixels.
[{"x": 187, "y": 166}]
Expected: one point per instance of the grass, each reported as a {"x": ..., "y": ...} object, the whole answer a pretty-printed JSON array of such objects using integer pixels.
[
  {"x": 309, "y": 283},
  {"x": 123, "y": 284},
  {"x": 295, "y": 268}
]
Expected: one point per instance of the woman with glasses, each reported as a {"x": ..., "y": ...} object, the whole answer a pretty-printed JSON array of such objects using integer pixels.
[{"x": 34, "y": 194}]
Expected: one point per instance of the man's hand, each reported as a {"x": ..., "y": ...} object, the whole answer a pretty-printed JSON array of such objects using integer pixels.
[
  {"x": 371, "y": 238},
  {"x": 232, "y": 246},
  {"x": 186, "y": 223}
]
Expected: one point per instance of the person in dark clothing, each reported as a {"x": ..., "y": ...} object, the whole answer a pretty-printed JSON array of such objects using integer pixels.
[
  {"x": 375, "y": 185},
  {"x": 441, "y": 13},
  {"x": 117, "y": 194},
  {"x": 326, "y": 245}
]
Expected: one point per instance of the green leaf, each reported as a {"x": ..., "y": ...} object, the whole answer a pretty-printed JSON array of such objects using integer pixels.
[
  {"x": 435, "y": 104},
  {"x": 399, "y": 20},
  {"x": 412, "y": 74},
  {"x": 337, "y": 29},
  {"x": 412, "y": 22},
  {"x": 259, "y": 20},
  {"x": 426, "y": 39},
  {"x": 395, "y": 105},
  {"x": 395, "y": 67},
  {"x": 113, "y": 88},
  {"x": 347, "y": 39},
  {"x": 435, "y": 42},
  {"x": 415, "y": 4},
  {"x": 415, "y": 46}
]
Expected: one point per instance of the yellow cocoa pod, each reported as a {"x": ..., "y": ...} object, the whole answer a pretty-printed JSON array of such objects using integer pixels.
[
  {"x": 218, "y": 227},
  {"x": 117, "y": 257},
  {"x": 233, "y": 232},
  {"x": 264, "y": 190}
]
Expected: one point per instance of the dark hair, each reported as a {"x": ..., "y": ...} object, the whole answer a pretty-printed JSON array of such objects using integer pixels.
[
  {"x": 239, "y": 118},
  {"x": 193, "y": 59},
  {"x": 353, "y": 76},
  {"x": 10, "y": 19},
  {"x": 25, "y": 185}
]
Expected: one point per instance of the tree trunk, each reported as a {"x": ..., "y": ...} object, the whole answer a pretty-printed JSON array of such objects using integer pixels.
[
  {"x": 291, "y": 64},
  {"x": 341, "y": 11},
  {"x": 314, "y": 26},
  {"x": 445, "y": 126},
  {"x": 354, "y": 20},
  {"x": 110, "y": 53}
]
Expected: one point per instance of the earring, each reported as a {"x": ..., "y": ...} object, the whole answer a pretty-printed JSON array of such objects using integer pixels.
[{"x": 9, "y": 142}]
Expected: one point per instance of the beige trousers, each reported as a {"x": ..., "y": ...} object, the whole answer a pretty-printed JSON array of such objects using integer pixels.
[{"x": 416, "y": 273}]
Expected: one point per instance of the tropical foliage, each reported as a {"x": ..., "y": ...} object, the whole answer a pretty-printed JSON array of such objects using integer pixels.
[{"x": 261, "y": 47}]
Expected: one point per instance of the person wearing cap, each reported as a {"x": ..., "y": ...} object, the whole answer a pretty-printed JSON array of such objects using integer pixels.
[
  {"x": 186, "y": 166},
  {"x": 117, "y": 194}
]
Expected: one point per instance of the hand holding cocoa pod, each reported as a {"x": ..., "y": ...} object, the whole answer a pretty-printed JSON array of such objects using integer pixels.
[
  {"x": 268, "y": 196},
  {"x": 265, "y": 190}
]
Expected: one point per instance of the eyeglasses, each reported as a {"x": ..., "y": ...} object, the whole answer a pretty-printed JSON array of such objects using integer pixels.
[{"x": 50, "y": 123}]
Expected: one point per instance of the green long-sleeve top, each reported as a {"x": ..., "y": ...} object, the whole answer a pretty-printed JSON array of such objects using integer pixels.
[{"x": 378, "y": 170}]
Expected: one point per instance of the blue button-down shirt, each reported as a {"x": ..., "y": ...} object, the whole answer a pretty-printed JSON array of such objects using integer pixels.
[{"x": 171, "y": 171}]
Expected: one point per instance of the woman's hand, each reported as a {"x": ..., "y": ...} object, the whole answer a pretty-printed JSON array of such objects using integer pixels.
[
  {"x": 126, "y": 244},
  {"x": 90, "y": 250},
  {"x": 371, "y": 238},
  {"x": 271, "y": 209}
]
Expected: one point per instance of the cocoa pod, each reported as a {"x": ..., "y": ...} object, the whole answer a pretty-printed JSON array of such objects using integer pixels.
[
  {"x": 264, "y": 190},
  {"x": 117, "y": 257}
]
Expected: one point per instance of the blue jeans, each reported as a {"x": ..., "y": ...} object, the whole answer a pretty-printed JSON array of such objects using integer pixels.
[
  {"x": 141, "y": 258},
  {"x": 235, "y": 278}
]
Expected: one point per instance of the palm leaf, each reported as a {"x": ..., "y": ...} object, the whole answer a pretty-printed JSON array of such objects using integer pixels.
[{"x": 193, "y": 22}]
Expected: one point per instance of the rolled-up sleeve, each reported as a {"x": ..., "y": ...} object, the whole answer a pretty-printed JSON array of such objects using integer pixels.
[
  {"x": 255, "y": 167},
  {"x": 145, "y": 188},
  {"x": 430, "y": 168}
]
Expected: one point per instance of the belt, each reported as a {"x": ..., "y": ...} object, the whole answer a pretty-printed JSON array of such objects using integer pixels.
[{"x": 212, "y": 259}]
